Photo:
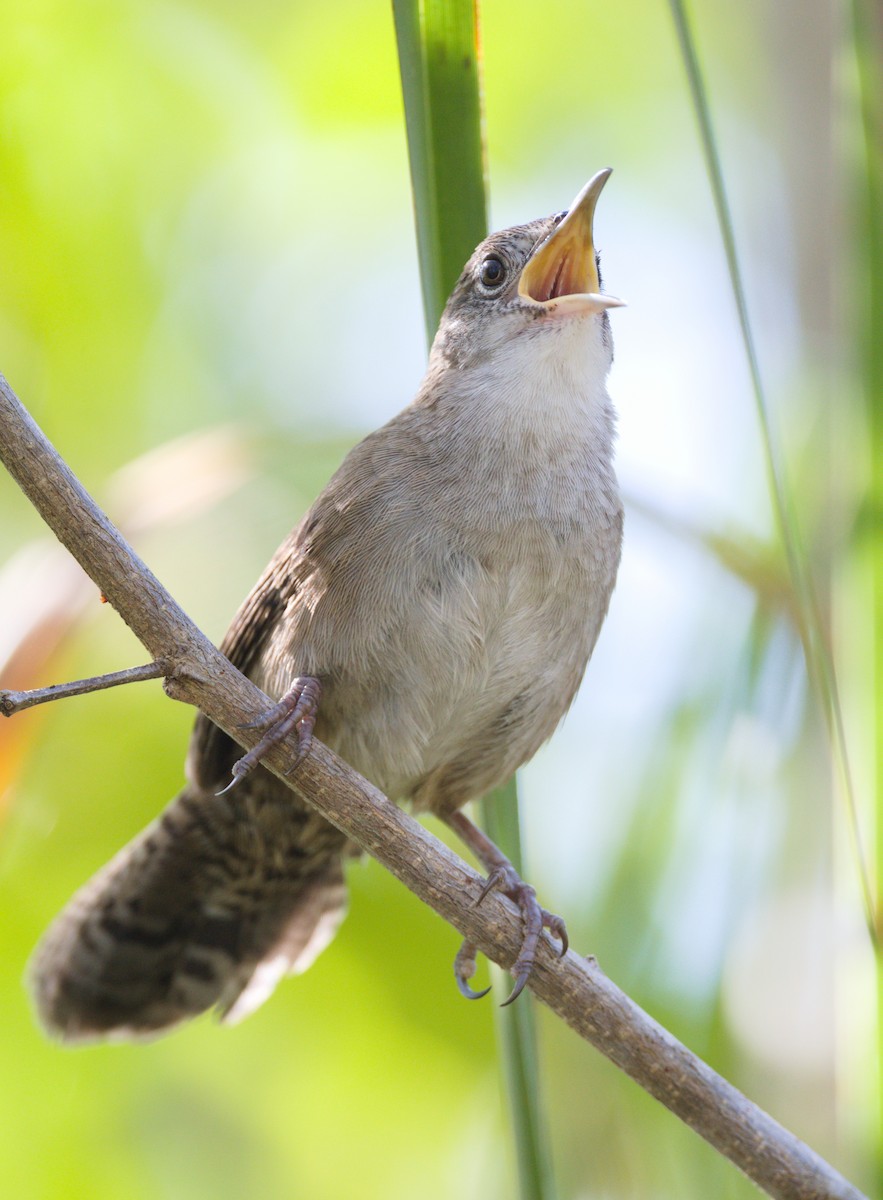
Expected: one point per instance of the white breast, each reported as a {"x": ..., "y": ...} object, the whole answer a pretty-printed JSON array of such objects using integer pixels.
[{"x": 529, "y": 508}]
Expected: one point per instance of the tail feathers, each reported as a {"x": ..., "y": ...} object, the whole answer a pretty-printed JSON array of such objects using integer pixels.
[{"x": 209, "y": 907}]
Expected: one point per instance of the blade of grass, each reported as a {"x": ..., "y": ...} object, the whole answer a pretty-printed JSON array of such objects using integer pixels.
[
  {"x": 516, "y": 1028},
  {"x": 816, "y": 648},
  {"x": 439, "y": 63},
  {"x": 438, "y": 60}
]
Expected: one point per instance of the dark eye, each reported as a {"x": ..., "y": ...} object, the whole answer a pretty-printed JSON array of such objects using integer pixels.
[{"x": 492, "y": 272}]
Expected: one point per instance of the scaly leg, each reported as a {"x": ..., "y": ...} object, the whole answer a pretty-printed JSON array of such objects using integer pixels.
[{"x": 502, "y": 876}]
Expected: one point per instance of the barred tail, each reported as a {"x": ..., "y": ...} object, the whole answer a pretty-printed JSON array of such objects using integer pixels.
[{"x": 209, "y": 907}]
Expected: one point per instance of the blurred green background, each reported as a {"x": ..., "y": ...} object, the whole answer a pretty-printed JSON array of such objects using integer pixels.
[{"x": 208, "y": 291}]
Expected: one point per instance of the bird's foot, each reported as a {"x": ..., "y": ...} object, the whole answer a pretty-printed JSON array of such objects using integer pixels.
[
  {"x": 504, "y": 878},
  {"x": 297, "y": 709}
]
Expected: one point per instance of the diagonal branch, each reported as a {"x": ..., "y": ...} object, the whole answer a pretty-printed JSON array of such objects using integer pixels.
[{"x": 573, "y": 987}]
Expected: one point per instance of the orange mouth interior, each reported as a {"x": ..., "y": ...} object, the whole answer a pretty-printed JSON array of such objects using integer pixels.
[{"x": 564, "y": 266}]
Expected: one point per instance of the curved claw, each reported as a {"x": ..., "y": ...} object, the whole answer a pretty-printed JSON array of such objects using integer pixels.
[
  {"x": 522, "y": 967},
  {"x": 496, "y": 879},
  {"x": 558, "y": 930},
  {"x": 464, "y": 969},
  {"x": 520, "y": 980},
  {"x": 466, "y": 990},
  {"x": 242, "y": 767}
]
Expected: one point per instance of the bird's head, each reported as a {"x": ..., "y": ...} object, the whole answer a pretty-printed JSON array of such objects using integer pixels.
[{"x": 536, "y": 283}]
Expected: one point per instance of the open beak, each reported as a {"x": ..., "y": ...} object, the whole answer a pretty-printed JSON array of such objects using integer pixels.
[{"x": 561, "y": 274}]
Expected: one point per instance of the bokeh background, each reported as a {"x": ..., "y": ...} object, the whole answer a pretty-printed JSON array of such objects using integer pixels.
[{"x": 208, "y": 291}]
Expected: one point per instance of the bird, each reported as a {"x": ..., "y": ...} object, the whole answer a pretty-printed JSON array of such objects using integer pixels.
[{"x": 430, "y": 619}]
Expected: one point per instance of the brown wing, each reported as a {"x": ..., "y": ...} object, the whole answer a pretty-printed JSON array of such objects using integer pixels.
[
  {"x": 212, "y": 753},
  {"x": 374, "y": 509}
]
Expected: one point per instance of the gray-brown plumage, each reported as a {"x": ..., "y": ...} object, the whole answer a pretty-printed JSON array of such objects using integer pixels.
[{"x": 446, "y": 590}]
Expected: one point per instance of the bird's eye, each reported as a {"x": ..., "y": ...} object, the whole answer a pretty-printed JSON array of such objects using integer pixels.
[{"x": 492, "y": 272}]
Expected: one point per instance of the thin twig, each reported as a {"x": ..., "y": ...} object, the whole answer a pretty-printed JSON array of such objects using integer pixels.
[
  {"x": 15, "y": 702},
  {"x": 573, "y": 987}
]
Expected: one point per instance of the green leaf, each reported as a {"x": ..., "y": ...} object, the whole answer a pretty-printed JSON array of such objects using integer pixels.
[{"x": 439, "y": 63}]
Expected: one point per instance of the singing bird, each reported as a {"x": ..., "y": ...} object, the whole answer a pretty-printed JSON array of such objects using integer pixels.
[{"x": 431, "y": 617}]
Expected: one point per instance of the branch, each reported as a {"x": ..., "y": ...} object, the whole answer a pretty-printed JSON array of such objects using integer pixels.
[{"x": 573, "y": 987}]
